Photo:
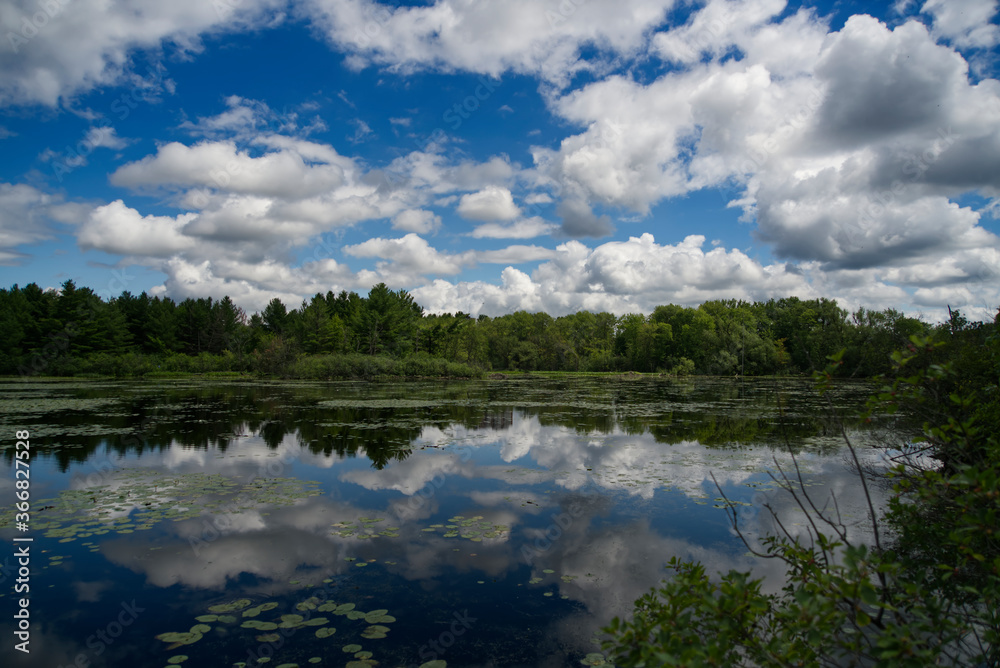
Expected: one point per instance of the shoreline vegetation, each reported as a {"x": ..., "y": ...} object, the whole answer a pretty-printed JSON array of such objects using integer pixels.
[{"x": 75, "y": 332}]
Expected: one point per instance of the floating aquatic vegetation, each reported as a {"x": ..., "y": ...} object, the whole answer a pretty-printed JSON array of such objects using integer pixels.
[
  {"x": 232, "y": 606},
  {"x": 474, "y": 529},
  {"x": 595, "y": 659},
  {"x": 138, "y": 499},
  {"x": 269, "y": 630},
  {"x": 309, "y": 604},
  {"x": 178, "y": 639}
]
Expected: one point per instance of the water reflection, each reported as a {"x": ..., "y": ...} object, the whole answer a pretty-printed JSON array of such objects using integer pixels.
[{"x": 539, "y": 509}]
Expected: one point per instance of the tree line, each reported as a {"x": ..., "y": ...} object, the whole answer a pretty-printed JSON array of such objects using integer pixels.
[{"x": 74, "y": 330}]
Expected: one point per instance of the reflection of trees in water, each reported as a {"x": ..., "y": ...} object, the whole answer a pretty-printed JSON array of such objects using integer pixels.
[{"x": 714, "y": 412}]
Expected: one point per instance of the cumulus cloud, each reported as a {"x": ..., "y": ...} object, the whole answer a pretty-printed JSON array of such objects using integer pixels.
[
  {"x": 410, "y": 257},
  {"x": 104, "y": 137},
  {"x": 516, "y": 254},
  {"x": 72, "y": 47},
  {"x": 621, "y": 277},
  {"x": 116, "y": 228},
  {"x": 966, "y": 23},
  {"x": 526, "y": 228},
  {"x": 852, "y": 154},
  {"x": 420, "y": 221},
  {"x": 489, "y": 204},
  {"x": 26, "y": 217},
  {"x": 245, "y": 119},
  {"x": 488, "y": 37},
  {"x": 845, "y": 148}
]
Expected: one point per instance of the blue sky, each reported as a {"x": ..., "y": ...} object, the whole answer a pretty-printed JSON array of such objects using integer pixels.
[{"x": 504, "y": 155}]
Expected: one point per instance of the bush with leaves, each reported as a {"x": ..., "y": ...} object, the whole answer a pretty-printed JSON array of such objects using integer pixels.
[{"x": 925, "y": 592}]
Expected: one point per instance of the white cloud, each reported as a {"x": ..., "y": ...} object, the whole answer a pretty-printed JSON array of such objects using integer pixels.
[
  {"x": 489, "y": 37},
  {"x": 538, "y": 198},
  {"x": 410, "y": 258},
  {"x": 247, "y": 119},
  {"x": 85, "y": 44},
  {"x": 252, "y": 285},
  {"x": 116, "y": 228},
  {"x": 629, "y": 276},
  {"x": 489, "y": 204},
  {"x": 849, "y": 147},
  {"x": 526, "y": 228},
  {"x": 516, "y": 255},
  {"x": 965, "y": 22},
  {"x": 106, "y": 137},
  {"x": 420, "y": 221},
  {"x": 362, "y": 132},
  {"x": 221, "y": 166},
  {"x": 26, "y": 214}
]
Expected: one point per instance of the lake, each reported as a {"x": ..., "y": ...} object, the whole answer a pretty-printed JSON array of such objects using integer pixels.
[{"x": 480, "y": 523}]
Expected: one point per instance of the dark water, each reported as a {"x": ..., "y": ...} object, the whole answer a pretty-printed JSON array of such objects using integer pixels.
[{"x": 482, "y": 523}]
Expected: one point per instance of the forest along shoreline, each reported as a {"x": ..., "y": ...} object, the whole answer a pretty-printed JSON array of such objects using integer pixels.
[{"x": 74, "y": 332}]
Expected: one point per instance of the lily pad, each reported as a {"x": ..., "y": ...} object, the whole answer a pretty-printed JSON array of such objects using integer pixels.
[
  {"x": 316, "y": 621},
  {"x": 238, "y": 604}
]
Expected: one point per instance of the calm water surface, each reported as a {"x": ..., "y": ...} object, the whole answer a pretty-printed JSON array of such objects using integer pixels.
[{"x": 483, "y": 523}]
